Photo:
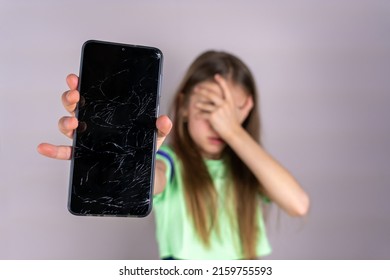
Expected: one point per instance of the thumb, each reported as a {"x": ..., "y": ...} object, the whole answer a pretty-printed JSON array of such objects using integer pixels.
[{"x": 164, "y": 126}]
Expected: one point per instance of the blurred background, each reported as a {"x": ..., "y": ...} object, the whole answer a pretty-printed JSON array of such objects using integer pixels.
[{"x": 322, "y": 68}]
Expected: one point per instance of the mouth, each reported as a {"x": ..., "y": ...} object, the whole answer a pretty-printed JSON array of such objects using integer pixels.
[{"x": 216, "y": 141}]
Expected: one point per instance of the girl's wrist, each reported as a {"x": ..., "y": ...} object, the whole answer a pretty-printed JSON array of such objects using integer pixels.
[{"x": 235, "y": 135}]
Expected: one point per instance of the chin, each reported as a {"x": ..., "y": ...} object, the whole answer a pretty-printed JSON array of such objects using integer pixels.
[{"x": 213, "y": 154}]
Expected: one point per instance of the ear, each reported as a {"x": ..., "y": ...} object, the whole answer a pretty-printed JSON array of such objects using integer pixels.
[
  {"x": 246, "y": 109},
  {"x": 250, "y": 104}
]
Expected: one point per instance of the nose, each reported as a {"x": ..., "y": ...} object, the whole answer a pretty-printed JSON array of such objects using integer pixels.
[{"x": 213, "y": 131}]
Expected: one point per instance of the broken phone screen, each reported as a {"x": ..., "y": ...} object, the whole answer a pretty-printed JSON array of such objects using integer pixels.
[{"x": 114, "y": 146}]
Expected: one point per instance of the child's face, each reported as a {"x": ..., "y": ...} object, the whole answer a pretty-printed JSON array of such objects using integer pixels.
[{"x": 202, "y": 133}]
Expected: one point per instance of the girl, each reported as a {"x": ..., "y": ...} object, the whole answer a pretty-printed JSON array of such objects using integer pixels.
[{"x": 211, "y": 180}]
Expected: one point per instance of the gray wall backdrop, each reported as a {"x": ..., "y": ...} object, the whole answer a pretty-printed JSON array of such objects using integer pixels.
[{"x": 322, "y": 68}]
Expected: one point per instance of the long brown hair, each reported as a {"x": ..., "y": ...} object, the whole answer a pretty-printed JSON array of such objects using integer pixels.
[{"x": 199, "y": 189}]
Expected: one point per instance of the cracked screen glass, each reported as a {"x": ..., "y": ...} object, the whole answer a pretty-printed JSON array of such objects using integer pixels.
[{"x": 114, "y": 145}]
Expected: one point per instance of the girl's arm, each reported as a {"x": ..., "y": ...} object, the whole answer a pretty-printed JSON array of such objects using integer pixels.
[
  {"x": 222, "y": 113},
  {"x": 159, "y": 177},
  {"x": 280, "y": 186},
  {"x": 164, "y": 126}
]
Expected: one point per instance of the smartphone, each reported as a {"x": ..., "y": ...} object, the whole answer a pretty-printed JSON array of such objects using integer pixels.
[{"x": 112, "y": 167}]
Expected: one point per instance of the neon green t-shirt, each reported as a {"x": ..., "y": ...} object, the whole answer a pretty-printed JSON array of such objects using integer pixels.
[{"x": 175, "y": 231}]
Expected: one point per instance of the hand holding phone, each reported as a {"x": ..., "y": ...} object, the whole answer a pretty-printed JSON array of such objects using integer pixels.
[{"x": 68, "y": 124}]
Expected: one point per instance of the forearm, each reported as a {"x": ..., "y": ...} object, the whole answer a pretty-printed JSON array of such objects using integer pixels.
[
  {"x": 279, "y": 185},
  {"x": 159, "y": 177}
]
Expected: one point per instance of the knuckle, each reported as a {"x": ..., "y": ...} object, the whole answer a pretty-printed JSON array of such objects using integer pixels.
[
  {"x": 60, "y": 122},
  {"x": 63, "y": 96}
]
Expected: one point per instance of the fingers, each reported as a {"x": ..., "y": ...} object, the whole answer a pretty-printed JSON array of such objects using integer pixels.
[
  {"x": 205, "y": 107},
  {"x": 73, "y": 81},
  {"x": 56, "y": 152},
  {"x": 243, "y": 109},
  {"x": 164, "y": 125},
  {"x": 225, "y": 87},
  {"x": 216, "y": 92},
  {"x": 71, "y": 97},
  {"x": 209, "y": 96},
  {"x": 67, "y": 125}
]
